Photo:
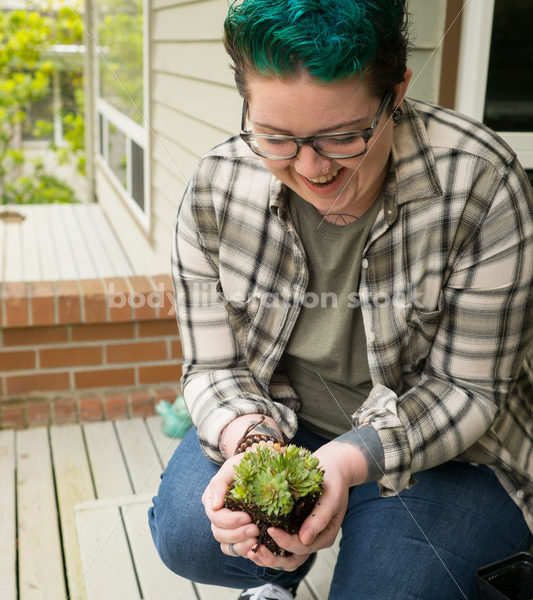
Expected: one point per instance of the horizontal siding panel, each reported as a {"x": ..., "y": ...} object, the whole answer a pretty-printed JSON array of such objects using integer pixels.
[
  {"x": 207, "y": 61},
  {"x": 164, "y": 233},
  {"x": 167, "y": 202},
  {"x": 428, "y": 18},
  {"x": 426, "y": 75},
  {"x": 168, "y": 181},
  {"x": 167, "y": 207},
  {"x": 198, "y": 137},
  {"x": 163, "y": 229},
  {"x": 211, "y": 104},
  {"x": 157, "y": 4},
  {"x": 174, "y": 158},
  {"x": 198, "y": 21},
  {"x": 169, "y": 197}
]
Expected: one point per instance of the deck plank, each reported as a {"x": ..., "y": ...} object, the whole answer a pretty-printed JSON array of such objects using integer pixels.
[
  {"x": 49, "y": 264},
  {"x": 31, "y": 266},
  {"x": 61, "y": 242},
  {"x": 40, "y": 558},
  {"x": 65, "y": 258},
  {"x": 305, "y": 592},
  {"x": 157, "y": 582},
  {"x": 74, "y": 485},
  {"x": 8, "y": 556},
  {"x": 77, "y": 240},
  {"x": 213, "y": 592},
  {"x": 106, "y": 249},
  {"x": 106, "y": 558},
  {"x": 165, "y": 446},
  {"x": 14, "y": 254},
  {"x": 141, "y": 457},
  {"x": 95, "y": 242},
  {"x": 109, "y": 470}
]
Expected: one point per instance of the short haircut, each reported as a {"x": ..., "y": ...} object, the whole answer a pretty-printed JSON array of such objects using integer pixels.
[{"x": 330, "y": 39}]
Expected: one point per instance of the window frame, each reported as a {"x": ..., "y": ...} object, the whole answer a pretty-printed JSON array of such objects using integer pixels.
[
  {"x": 133, "y": 131},
  {"x": 476, "y": 38}
]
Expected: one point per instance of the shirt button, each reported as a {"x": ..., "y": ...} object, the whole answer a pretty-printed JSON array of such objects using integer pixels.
[
  {"x": 372, "y": 337},
  {"x": 364, "y": 263},
  {"x": 520, "y": 494}
]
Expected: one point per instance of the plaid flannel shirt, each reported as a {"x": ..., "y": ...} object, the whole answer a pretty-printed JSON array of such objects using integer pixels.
[{"x": 445, "y": 292}]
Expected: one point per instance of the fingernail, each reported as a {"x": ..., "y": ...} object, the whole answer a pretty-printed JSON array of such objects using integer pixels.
[
  {"x": 308, "y": 536},
  {"x": 215, "y": 500}
]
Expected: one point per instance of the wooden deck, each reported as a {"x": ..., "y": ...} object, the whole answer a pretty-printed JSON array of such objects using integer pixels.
[
  {"x": 73, "y": 518},
  {"x": 60, "y": 241}
]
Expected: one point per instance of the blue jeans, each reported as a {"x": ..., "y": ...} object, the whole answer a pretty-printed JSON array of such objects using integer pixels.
[{"x": 424, "y": 544}]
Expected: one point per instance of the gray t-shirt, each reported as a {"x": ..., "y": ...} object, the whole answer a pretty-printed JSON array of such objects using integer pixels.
[{"x": 325, "y": 358}]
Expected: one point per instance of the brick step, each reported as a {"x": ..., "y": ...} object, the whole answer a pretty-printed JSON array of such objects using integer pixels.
[
  {"x": 60, "y": 339},
  {"x": 84, "y": 407}
]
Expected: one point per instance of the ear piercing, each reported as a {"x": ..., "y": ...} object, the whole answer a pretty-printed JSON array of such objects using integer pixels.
[{"x": 397, "y": 115}]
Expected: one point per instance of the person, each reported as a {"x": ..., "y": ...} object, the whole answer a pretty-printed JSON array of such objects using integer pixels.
[{"x": 356, "y": 268}]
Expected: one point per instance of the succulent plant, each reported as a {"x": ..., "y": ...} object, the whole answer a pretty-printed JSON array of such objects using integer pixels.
[
  {"x": 276, "y": 487},
  {"x": 274, "y": 481}
]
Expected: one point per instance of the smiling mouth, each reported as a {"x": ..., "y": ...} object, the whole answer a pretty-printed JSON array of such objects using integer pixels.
[{"x": 325, "y": 179}]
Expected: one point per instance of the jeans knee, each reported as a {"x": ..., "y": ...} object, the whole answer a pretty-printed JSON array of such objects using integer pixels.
[{"x": 176, "y": 542}]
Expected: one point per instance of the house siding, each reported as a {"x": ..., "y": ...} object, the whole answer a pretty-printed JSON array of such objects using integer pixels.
[
  {"x": 428, "y": 19},
  {"x": 194, "y": 101},
  {"x": 194, "y": 104}
]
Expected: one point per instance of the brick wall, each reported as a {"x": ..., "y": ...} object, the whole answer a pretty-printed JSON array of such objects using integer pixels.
[{"x": 86, "y": 350}]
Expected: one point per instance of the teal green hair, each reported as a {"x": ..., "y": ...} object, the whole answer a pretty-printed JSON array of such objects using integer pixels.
[{"x": 331, "y": 39}]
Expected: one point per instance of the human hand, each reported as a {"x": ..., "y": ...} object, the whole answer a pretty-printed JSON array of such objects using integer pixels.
[
  {"x": 342, "y": 469},
  {"x": 234, "y": 530}
]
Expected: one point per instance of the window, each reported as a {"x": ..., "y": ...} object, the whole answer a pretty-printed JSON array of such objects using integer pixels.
[
  {"x": 494, "y": 83},
  {"x": 121, "y": 98},
  {"x": 509, "y": 99}
]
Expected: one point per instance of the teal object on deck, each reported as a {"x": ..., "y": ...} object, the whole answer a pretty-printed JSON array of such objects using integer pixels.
[{"x": 176, "y": 421}]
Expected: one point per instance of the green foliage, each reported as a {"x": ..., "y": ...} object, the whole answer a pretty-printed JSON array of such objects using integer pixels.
[
  {"x": 74, "y": 135},
  {"x": 274, "y": 480},
  {"x": 39, "y": 188},
  {"x": 26, "y": 72},
  {"x": 68, "y": 26}
]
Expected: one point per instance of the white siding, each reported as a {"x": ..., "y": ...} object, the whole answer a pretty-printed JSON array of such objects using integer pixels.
[
  {"x": 428, "y": 19},
  {"x": 193, "y": 21},
  {"x": 194, "y": 103}
]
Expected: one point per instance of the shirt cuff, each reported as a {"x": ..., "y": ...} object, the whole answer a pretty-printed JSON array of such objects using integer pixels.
[{"x": 380, "y": 410}]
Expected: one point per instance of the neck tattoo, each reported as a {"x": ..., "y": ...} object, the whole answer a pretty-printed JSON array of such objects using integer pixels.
[{"x": 339, "y": 218}]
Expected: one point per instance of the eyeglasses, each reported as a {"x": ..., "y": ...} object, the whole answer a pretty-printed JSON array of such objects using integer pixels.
[{"x": 345, "y": 144}]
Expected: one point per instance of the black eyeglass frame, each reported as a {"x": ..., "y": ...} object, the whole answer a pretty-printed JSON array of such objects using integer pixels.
[{"x": 366, "y": 134}]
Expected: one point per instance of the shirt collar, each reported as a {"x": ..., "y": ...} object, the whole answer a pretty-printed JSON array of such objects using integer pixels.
[
  {"x": 277, "y": 198},
  {"x": 413, "y": 161}
]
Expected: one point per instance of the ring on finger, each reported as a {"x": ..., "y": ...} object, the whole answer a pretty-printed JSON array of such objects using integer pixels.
[{"x": 232, "y": 551}]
